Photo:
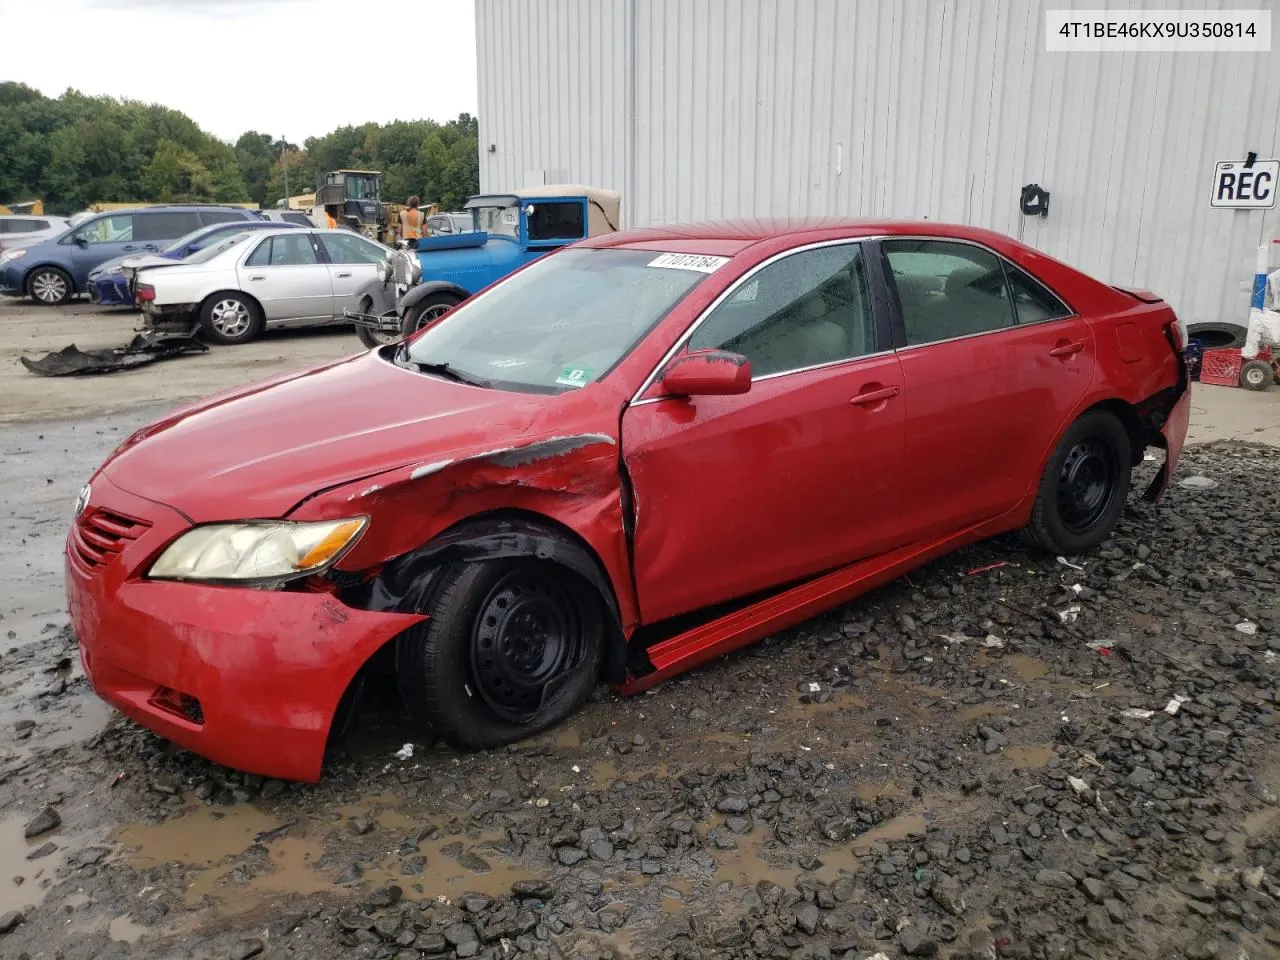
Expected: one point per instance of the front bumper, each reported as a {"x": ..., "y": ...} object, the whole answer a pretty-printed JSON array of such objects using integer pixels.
[
  {"x": 110, "y": 290},
  {"x": 11, "y": 278},
  {"x": 247, "y": 678}
]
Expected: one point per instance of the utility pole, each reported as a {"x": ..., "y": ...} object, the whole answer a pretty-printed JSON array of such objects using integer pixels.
[{"x": 284, "y": 162}]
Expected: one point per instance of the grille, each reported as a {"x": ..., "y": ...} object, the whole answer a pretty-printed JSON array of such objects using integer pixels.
[{"x": 100, "y": 535}]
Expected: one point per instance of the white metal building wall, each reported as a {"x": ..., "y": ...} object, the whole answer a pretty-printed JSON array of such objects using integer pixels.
[{"x": 916, "y": 108}]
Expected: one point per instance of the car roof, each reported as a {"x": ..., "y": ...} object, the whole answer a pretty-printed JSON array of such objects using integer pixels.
[{"x": 731, "y": 236}]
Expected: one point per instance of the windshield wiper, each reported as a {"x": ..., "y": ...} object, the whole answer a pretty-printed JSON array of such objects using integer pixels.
[{"x": 449, "y": 373}]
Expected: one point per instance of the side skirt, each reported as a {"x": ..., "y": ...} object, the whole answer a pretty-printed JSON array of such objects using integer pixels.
[{"x": 795, "y": 605}]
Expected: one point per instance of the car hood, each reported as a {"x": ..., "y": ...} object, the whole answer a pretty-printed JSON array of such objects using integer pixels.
[
  {"x": 117, "y": 264},
  {"x": 258, "y": 451}
]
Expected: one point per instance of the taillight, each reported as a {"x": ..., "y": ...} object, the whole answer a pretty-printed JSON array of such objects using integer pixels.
[
  {"x": 145, "y": 292},
  {"x": 1180, "y": 335}
]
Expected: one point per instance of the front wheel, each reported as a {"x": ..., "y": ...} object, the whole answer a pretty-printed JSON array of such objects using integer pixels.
[
  {"x": 370, "y": 337},
  {"x": 1084, "y": 486},
  {"x": 49, "y": 286},
  {"x": 511, "y": 648},
  {"x": 427, "y": 312}
]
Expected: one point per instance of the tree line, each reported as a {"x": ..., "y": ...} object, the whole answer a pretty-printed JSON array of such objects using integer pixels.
[{"x": 74, "y": 150}]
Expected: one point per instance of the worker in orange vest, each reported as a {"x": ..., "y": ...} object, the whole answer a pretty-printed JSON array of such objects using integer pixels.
[
  {"x": 329, "y": 222},
  {"x": 411, "y": 224}
]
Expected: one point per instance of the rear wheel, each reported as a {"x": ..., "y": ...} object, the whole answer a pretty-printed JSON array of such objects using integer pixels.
[
  {"x": 1084, "y": 486},
  {"x": 427, "y": 312},
  {"x": 49, "y": 286},
  {"x": 230, "y": 317},
  {"x": 511, "y": 648},
  {"x": 1256, "y": 375}
]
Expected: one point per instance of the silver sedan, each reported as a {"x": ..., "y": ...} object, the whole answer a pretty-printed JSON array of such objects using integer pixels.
[{"x": 250, "y": 282}]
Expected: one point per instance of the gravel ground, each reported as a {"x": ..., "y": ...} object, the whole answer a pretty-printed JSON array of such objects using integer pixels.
[{"x": 1040, "y": 759}]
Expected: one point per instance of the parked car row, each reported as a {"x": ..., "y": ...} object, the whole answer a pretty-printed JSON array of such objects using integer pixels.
[{"x": 57, "y": 268}]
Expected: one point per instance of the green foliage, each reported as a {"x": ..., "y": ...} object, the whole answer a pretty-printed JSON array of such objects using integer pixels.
[{"x": 75, "y": 150}]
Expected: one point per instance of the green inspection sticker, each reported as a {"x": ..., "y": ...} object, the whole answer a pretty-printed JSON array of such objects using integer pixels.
[{"x": 574, "y": 377}]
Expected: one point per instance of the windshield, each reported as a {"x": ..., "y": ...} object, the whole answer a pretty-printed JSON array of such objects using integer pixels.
[
  {"x": 499, "y": 221},
  {"x": 208, "y": 253},
  {"x": 560, "y": 324}
]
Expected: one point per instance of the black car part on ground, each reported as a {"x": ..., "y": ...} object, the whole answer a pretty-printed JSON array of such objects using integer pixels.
[{"x": 143, "y": 348}]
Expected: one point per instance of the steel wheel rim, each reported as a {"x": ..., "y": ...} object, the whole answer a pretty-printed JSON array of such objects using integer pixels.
[
  {"x": 431, "y": 315},
  {"x": 1255, "y": 376},
  {"x": 48, "y": 287},
  {"x": 1087, "y": 485},
  {"x": 529, "y": 633},
  {"x": 230, "y": 318}
]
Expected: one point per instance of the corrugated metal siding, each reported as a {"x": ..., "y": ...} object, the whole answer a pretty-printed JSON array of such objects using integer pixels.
[{"x": 920, "y": 108}]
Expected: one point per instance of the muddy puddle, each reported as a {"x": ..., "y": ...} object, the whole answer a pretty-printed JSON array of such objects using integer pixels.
[
  {"x": 1028, "y": 757},
  {"x": 24, "y": 882},
  {"x": 240, "y": 857}
]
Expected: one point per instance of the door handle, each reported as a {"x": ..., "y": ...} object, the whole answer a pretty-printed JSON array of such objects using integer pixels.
[
  {"x": 875, "y": 396},
  {"x": 342, "y": 274},
  {"x": 256, "y": 276},
  {"x": 128, "y": 246},
  {"x": 1067, "y": 349}
]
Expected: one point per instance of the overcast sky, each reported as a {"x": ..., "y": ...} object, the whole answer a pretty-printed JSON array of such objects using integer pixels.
[{"x": 324, "y": 63}]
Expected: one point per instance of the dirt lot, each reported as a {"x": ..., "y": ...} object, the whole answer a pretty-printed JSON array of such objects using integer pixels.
[{"x": 1041, "y": 759}]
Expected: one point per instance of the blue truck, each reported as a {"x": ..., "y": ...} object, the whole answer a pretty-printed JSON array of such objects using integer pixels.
[{"x": 511, "y": 229}]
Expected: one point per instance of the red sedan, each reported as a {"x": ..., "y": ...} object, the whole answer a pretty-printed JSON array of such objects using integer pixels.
[{"x": 625, "y": 459}]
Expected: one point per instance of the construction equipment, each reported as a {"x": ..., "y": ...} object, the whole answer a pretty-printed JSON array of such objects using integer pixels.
[
  {"x": 32, "y": 208},
  {"x": 354, "y": 199}
]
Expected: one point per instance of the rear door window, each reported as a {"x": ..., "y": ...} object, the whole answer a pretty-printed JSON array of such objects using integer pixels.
[
  {"x": 287, "y": 250},
  {"x": 164, "y": 225},
  {"x": 559, "y": 220},
  {"x": 948, "y": 290}
]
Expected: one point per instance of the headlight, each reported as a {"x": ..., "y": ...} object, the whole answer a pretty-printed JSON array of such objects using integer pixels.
[
  {"x": 266, "y": 552},
  {"x": 9, "y": 255}
]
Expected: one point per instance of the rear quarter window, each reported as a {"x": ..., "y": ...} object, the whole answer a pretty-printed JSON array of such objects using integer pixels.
[{"x": 221, "y": 216}]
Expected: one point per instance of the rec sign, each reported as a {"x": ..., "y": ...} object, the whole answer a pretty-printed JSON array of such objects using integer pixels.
[{"x": 1238, "y": 185}]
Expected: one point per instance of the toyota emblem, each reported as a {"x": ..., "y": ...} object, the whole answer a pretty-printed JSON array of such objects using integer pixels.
[{"x": 82, "y": 499}]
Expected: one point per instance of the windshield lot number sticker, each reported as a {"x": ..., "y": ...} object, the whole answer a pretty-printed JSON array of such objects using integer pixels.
[
  {"x": 689, "y": 261},
  {"x": 574, "y": 377}
]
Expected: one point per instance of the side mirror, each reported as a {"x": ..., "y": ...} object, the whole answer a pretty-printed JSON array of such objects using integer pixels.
[
  {"x": 707, "y": 373},
  {"x": 80, "y": 240}
]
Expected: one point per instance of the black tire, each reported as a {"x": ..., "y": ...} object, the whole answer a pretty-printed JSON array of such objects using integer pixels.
[
  {"x": 1084, "y": 487},
  {"x": 49, "y": 286},
  {"x": 372, "y": 338},
  {"x": 475, "y": 673},
  {"x": 229, "y": 317},
  {"x": 1256, "y": 375},
  {"x": 427, "y": 312},
  {"x": 1217, "y": 336}
]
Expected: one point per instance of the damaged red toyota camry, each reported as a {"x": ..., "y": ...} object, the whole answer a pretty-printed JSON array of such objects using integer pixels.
[{"x": 627, "y": 458}]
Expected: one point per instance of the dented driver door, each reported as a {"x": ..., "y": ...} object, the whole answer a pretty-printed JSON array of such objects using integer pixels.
[{"x": 737, "y": 494}]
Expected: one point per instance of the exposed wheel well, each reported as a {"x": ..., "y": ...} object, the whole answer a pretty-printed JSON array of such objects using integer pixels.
[
  {"x": 1139, "y": 437},
  {"x": 407, "y": 582},
  {"x": 239, "y": 293}
]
